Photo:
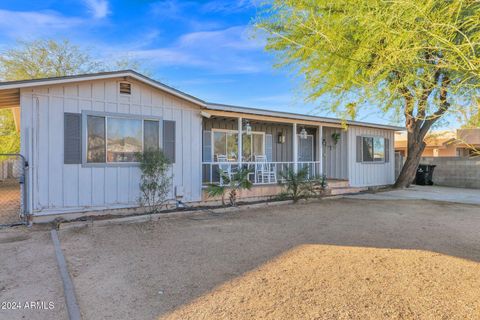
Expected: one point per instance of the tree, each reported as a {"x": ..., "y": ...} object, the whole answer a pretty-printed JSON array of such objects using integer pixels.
[
  {"x": 415, "y": 58},
  {"x": 9, "y": 137},
  {"x": 51, "y": 58},
  {"x": 41, "y": 59},
  {"x": 469, "y": 116}
]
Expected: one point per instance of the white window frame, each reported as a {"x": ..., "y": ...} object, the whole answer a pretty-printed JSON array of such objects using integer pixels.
[
  {"x": 212, "y": 142},
  {"x": 106, "y": 115},
  {"x": 251, "y": 146},
  {"x": 384, "y": 151}
]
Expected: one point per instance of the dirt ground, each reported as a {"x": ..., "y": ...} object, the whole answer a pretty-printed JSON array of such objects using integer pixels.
[
  {"x": 343, "y": 258},
  {"x": 330, "y": 282},
  {"x": 29, "y": 274},
  {"x": 9, "y": 202}
]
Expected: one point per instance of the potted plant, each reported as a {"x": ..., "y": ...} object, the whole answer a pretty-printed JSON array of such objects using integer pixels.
[{"x": 336, "y": 137}]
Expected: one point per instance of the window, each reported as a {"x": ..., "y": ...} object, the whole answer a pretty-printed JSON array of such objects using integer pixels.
[
  {"x": 96, "y": 139},
  {"x": 151, "y": 139},
  {"x": 373, "y": 149},
  {"x": 113, "y": 139},
  {"x": 225, "y": 143},
  {"x": 253, "y": 145},
  {"x": 124, "y": 139}
]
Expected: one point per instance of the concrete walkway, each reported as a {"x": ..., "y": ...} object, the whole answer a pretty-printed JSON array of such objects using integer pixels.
[{"x": 435, "y": 193}]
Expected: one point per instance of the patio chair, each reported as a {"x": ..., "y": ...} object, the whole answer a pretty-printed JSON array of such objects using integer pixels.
[{"x": 264, "y": 171}]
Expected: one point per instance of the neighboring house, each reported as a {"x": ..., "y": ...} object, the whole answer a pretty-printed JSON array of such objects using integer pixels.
[
  {"x": 446, "y": 143},
  {"x": 79, "y": 135}
]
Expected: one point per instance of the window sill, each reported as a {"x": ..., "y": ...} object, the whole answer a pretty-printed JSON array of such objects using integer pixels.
[{"x": 110, "y": 165}]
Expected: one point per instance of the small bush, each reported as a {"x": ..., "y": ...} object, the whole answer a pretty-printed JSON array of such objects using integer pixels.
[
  {"x": 297, "y": 186},
  {"x": 155, "y": 182},
  {"x": 231, "y": 184}
]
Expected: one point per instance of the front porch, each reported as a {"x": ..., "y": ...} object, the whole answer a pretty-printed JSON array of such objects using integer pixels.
[{"x": 269, "y": 148}]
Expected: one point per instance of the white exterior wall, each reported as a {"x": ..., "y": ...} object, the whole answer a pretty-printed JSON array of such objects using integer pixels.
[
  {"x": 55, "y": 186},
  {"x": 363, "y": 174},
  {"x": 335, "y": 161}
]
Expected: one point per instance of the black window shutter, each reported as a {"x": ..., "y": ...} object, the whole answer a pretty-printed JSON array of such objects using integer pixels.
[
  {"x": 359, "y": 148},
  {"x": 72, "y": 138},
  {"x": 387, "y": 150},
  {"x": 169, "y": 140}
]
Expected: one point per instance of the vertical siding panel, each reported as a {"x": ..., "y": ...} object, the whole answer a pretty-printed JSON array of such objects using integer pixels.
[
  {"x": 111, "y": 185},
  {"x": 70, "y": 185},
  {"x": 98, "y": 91},
  {"x": 179, "y": 128},
  {"x": 85, "y": 187},
  {"x": 111, "y": 91},
  {"x": 41, "y": 149},
  {"x": 98, "y": 186},
  {"x": 55, "y": 152},
  {"x": 196, "y": 160},
  {"x": 111, "y": 107},
  {"x": 26, "y": 142},
  {"x": 123, "y": 108},
  {"x": 186, "y": 146},
  {"x": 123, "y": 184},
  {"x": 134, "y": 190},
  {"x": 70, "y": 172},
  {"x": 99, "y": 106}
]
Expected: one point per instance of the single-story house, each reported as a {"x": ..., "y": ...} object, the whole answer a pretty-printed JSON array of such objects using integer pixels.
[{"x": 79, "y": 135}]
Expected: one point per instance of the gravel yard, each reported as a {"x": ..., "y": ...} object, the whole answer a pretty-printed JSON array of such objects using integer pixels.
[
  {"x": 30, "y": 285},
  {"x": 344, "y": 258}
]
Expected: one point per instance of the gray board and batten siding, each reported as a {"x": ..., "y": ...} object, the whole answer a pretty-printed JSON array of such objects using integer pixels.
[{"x": 61, "y": 184}]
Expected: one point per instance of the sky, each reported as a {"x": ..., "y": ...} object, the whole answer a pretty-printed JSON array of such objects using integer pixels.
[{"x": 208, "y": 49}]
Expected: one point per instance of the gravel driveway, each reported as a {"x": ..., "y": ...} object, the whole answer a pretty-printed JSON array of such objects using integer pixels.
[{"x": 155, "y": 269}]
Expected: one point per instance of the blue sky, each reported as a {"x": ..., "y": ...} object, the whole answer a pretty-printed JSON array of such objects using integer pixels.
[{"x": 205, "y": 48}]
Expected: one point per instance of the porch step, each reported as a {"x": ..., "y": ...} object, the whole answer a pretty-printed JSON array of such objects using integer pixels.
[
  {"x": 345, "y": 190},
  {"x": 338, "y": 184}
]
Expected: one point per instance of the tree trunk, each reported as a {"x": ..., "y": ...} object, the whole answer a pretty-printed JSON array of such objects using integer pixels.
[{"x": 415, "y": 150}]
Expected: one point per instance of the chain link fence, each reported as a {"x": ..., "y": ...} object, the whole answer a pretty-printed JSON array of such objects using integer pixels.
[{"x": 12, "y": 188}]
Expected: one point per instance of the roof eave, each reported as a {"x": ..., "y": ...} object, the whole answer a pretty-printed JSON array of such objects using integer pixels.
[
  {"x": 99, "y": 76},
  {"x": 264, "y": 112}
]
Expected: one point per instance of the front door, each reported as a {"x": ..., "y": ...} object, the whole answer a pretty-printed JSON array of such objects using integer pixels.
[{"x": 306, "y": 154}]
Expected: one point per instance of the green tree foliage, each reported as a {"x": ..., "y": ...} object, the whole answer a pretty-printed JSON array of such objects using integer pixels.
[
  {"x": 51, "y": 58},
  {"x": 9, "y": 137},
  {"x": 47, "y": 58},
  {"x": 469, "y": 116},
  {"x": 414, "y": 58}
]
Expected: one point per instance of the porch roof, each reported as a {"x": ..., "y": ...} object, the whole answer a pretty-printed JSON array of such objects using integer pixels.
[{"x": 292, "y": 117}]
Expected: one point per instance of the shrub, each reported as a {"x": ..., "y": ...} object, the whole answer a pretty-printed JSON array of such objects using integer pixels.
[
  {"x": 296, "y": 184},
  {"x": 231, "y": 184},
  {"x": 155, "y": 181}
]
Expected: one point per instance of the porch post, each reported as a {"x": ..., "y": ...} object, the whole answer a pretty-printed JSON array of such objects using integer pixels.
[
  {"x": 295, "y": 147},
  {"x": 239, "y": 141},
  {"x": 320, "y": 149}
]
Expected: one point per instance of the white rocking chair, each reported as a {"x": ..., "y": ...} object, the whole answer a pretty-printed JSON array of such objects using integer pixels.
[{"x": 264, "y": 171}]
